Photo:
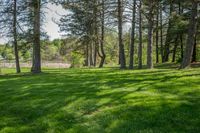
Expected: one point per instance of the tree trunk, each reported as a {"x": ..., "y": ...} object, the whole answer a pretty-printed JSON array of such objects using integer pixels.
[
  {"x": 191, "y": 36},
  {"x": 150, "y": 36},
  {"x": 169, "y": 36},
  {"x": 131, "y": 62},
  {"x": 157, "y": 35},
  {"x": 18, "y": 70},
  {"x": 161, "y": 33},
  {"x": 182, "y": 50},
  {"x": 121, "y": 45},
  {"x": 90, "y": 55},
  {"x": 181, "y": 35},
  {"x": 87, "y": 55},
  {"x": 95, "y": 54},
  {"x": 36, "y": 66},
  {"x": 194, "y": 55},
  {"x": 174, "y": 50},
  {"x": 140, "y": 37},
  {"x": 96, "y": 30},
  {"x": 103, "y": 55}
]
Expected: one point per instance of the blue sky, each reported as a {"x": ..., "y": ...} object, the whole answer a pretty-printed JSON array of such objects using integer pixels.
[{"x": 52, "y": 29}]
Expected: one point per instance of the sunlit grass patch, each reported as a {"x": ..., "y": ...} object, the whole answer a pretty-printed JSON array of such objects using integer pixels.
[{"x": 100, "y": 100}]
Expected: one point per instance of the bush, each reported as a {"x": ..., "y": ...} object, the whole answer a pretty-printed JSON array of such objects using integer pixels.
[{"x": 77, "y": 60}]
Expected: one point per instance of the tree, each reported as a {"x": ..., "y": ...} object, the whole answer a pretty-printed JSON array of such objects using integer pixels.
[
  {"x": 82, "y": 23},
  {"x": 9, "y": 26},
  {"x": 132, "y": 36},
  {"x": 15, "y": 36},
  {"x": 140, "y": 36},
  {"x": 36, "y": 64},
  {"x": 161, "y": 31},
  {"x": 169, "y": 34},
  {"x": 102, "y": 55},
  {"x": 150, "y": 18},
  {"x": 120, "y": 33},
  {"x": 191, "y": 36},
  {"x": 157, "y": 32},
  {"x": 194, "y": 54}
]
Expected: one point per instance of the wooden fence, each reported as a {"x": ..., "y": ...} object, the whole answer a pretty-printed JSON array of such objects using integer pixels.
[{"x": 46, "y": 64}]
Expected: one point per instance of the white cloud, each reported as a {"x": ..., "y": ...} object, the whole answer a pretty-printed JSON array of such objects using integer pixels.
[{"x": 53, "y": 13}]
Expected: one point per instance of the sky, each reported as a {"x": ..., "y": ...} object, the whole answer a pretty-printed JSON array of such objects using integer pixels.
[
  {"x": 52, "y": 29},
  {"x": 53, "y": 12}
]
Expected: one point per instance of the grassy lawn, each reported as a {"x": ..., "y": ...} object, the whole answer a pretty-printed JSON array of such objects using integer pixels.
[{"x": 100, "y": 101}]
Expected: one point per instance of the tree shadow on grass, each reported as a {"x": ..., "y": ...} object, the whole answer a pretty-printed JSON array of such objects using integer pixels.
[{"x": 100, "y": 101}]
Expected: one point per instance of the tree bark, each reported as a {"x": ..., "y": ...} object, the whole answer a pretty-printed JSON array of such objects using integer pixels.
[
  {"x": 91, "y": 54},
  {"x": 121, "y": 45},
  {"x": 181, "y": 34},
  {"x": 36, "y": 66},
  {"x": 175, "y": 49},
  {"x": 96, "y": 30},
  {"x": 161, "y": 33},
  {"x": 169, "y": 36},
  {"x": 18, "y": 70},
  {"x": 194, "y": 55},
  {"x": 131, "y": 62},
  {"x": 95, "y": 54},
  {"x": 140, "y": 37},
  {"x": 87, "y": 55},
  {"x": 150, "y": 36},
  {"x": 157, "y": 34},
  {"x": 103, "y": 55},
  {"x": 191, "y": 36},
  {"x": 182, "y": 50}
]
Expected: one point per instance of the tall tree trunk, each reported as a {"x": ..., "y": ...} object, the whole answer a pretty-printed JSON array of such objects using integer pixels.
[
  {"x": 96, "y": 30},
  {"x": 121, "y": 45},
  {"x": 131, "y": 62},
  {"x": 191, "y": 36},
  {"x": 161, "y": 32},
  {"x": 150, "y": 35},
  {"x": 18, "y": 70},
  {"x": 87, "y": 55},
  {"x": 169, "y": 36},
  {"x": 91, "y": 54},
  {"x": 194, "y": 54},
  {"x": 180, "y": 10},
  {"x": 140, "y": 37},
  {"x": 95, "y": 54},
  {"x": 157, "y": 34},
  {"x": 182, "y": 50},
  {"x": 174, "y": 50},
  {"x": 103, "y": 55},
  {"x": 36, "y": 66}
]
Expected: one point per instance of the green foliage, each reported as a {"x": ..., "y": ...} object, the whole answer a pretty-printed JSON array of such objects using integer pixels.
[
  {"x": 27, "y": 56},
  {"x": 100, "y": 101},
  {"x": 7, "y": 53},
  {"x": 77, "y": 60},
  {"x": 50, "y": 52},
  {"x": 111, "y": 48}
]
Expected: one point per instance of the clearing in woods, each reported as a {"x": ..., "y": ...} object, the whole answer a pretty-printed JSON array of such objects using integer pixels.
[{"x": 100, "y": 100}]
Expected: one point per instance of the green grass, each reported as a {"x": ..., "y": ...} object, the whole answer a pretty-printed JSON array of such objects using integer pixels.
[{"x": 100, "y": 101}]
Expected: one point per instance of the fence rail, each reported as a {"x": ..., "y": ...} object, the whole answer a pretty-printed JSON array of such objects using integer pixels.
[{"x": 50, "y": 64}]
